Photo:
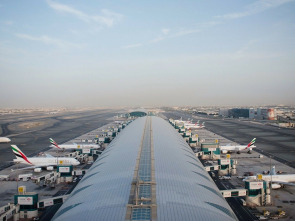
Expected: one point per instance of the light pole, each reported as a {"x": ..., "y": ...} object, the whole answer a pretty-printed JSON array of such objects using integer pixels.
[
  {"x": 17, "y": 177},
  {"x": 270, "y": 188}
]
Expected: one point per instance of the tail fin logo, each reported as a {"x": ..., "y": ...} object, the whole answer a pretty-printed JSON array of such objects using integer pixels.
[
  {"x": 19, "y": 154},
  {"x": 251, "y": 143},
  {"x": 54, "y": 143}
]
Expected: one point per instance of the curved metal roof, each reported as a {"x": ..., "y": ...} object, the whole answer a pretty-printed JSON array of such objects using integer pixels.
[
  {"x": 138, "y": 112},
  {"x": 184, "y": 190}
]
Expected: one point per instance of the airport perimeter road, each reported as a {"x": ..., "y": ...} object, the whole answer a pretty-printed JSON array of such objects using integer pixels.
[
  {"x": 31, "y": 132},
  {"x": 278, "y": 143}
]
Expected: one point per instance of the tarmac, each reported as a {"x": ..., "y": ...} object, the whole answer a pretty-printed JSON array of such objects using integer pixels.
[{"x": 31, "y": 131}]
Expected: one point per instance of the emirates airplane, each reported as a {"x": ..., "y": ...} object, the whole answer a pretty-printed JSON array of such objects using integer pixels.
[
  {"x": 47, "y": 161},
  {"x": 74, "y": 146},
  {"x": 194, "y": 126},
  {"x": 238, "y": 148},
  {"x": 4, "y": 140}
]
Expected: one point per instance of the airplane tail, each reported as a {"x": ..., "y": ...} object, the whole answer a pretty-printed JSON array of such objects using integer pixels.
[
  {"x": 54, "y": 143},
  {"x": 251, "y": 143},
  {"x": 273, "y": 171},
  {"x": 20, "y": 156}
]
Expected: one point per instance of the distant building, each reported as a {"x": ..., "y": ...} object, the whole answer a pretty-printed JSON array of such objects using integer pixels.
[
  {"x": 223, "y": 112},
  {"x": 138, "y": 113},
  {"x": 259, "y": 116},
  {"x": 266, "y": 113},
  {"x": 238, "y": 113},
  {"x": 251, "y": 113},
  {"x": 271, "y": 114}
]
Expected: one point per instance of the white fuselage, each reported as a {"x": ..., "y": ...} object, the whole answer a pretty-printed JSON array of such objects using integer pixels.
[
  {"x": 193, "y": 126},
  {"x": 288, "y": 178},
  {"x": 78, "y": 146},
  {"x": 4, "y": 140},
  {"x": 181, "y": 121},
  {"x": 48, "y": 161},
  {"x": 236, "y": 148}
]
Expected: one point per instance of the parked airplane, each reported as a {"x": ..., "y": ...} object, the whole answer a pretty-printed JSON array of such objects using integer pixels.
[
  {"x": 41, "y": 161},
  {"x": 4, "y": 140},
  {"x": 74, "y": 146},
  {"x": 181, "y": 121},
  {"x": 239, "y": 148},
  {"x": 194, "y": 126},
  {"x": 277, "y": 180}
]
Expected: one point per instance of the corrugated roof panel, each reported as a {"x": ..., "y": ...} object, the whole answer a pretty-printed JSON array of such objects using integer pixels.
[{"x": 178, "y": 173}]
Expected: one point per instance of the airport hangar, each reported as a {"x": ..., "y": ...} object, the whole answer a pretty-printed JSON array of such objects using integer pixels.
[{"x": 148, "y": 172}]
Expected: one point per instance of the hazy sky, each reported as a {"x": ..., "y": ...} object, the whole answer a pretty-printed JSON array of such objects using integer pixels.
[{"x": 112, "y": 53}]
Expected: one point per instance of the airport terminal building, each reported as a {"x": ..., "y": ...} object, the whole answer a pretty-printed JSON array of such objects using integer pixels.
[
  {"x": 138, "y": 113},
  {"x": 148, "y": 172}
]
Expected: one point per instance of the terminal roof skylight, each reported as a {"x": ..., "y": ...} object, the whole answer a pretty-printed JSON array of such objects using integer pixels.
[{"x": 143, "y": 186}]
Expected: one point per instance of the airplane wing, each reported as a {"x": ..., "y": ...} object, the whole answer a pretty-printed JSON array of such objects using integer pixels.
[
  {"x": 25, "y": 168},
  {"x": 32, "y": 167},
  {"x": 284, "y": 183}
]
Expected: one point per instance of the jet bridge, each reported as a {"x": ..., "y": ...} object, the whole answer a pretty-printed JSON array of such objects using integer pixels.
[
  {"x": 8, "y": 211},
  {"x": 233, "y": 193},
  {"x": 212, "y": 167},
  {"x": 46, "y": 178},
  {"x": 52, "y": 201}
]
